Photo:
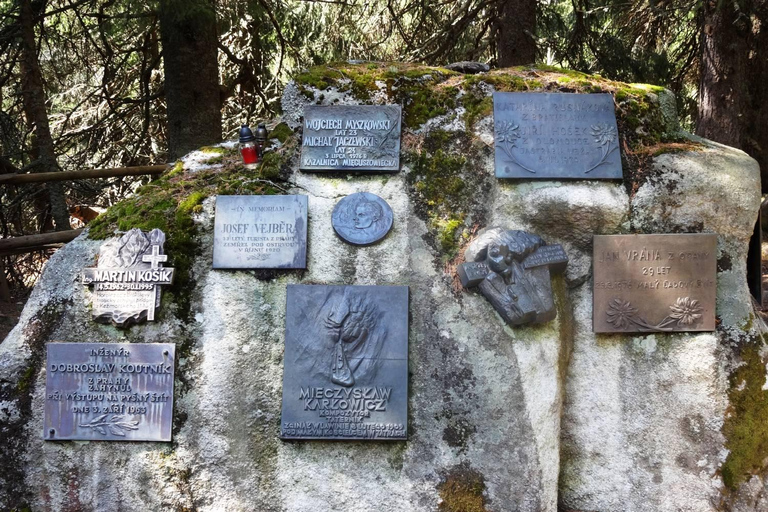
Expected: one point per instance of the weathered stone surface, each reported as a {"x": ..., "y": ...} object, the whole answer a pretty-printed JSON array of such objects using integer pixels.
[
  {"x": 468, "y": 67},
  {"x": 644, "y": 424}
]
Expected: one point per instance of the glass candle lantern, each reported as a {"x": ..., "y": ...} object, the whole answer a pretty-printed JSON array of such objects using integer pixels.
[{"x": 249, "y": 148}]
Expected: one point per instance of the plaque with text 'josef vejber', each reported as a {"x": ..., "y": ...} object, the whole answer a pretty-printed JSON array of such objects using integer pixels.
[
  {"x": 654, "y": 283},
  {"x": 351, "y": 138},
  {"x": 346, "y": 363},
  {"x": 260, "y": 232},
  {"x": 109, "y": 391},
  {"x": 555, "y": 135}
]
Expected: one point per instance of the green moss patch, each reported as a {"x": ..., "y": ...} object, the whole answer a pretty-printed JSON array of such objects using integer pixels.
[
  {"x": 462, "y": 491},
  {"x": 280, "y": 132},
  {"x": 746, "y": 424}
]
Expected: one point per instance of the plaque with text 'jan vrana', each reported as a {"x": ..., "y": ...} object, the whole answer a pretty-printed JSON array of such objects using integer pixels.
[
  {"x": 555, "y": 135},
  {"x": 351, "y": 138},
  {"x": 346, "y": 363},
  {"x": 109, "y": 391},
  {"x": 260, "y": 232},
  {"x": 654, "y": 283}
]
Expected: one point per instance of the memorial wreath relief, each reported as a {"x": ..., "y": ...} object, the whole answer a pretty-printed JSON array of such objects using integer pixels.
[{"x": 512, "y": 270}]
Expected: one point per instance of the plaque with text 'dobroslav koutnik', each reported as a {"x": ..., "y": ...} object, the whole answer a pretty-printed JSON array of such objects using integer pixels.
[
  {"x": 346, "y": 363},
  {"x": 260, "y": 232},
  {"x": 654, "y": 283}
]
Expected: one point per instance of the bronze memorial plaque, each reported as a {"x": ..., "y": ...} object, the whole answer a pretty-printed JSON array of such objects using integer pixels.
[
  {"x": 654, "y": 283},
  {"x": 109, "y": 391},
  {"x": 346, "y": 363}
]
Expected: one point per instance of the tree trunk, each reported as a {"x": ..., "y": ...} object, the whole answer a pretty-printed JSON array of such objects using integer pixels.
[
  {"x": 515, "y": 32},
  {"x": 33, "y": 98},
  {"x": 190, "y": 52},
  {"x": 733, "y": 76}
]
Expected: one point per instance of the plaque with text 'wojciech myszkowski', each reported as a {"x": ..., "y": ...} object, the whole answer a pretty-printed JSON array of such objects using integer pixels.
[
  {"x": 351, "y": 138},
  {"x": 555, "y": 135},
  {"x": 654, "y": 283},
  {"x": 109, "y": 391},
  {"x": 346, "y": 363}
]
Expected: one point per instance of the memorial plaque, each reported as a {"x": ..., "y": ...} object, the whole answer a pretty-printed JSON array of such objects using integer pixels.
[
  {"x": 512, "y": 270},
  {"x": 127, "y": 278},
  {"x": 260, "y": 232},
  {"x": 647, "y": 283},
  {"x": 362, "y": 218},
  {"x": 109, "y": 391},
  {"x": 351, "y": 138},
  {"x": 346, "y": 363},
  {"x": 555, "y": 136}
]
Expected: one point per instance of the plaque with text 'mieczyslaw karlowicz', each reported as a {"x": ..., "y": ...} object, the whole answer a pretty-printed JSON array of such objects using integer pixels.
[
  {"x": 346, "y": 363},
  {"x": 661, "y": 283},
  {"x": 351, "y": 138},
  {"x": 127, "y": 278},
  {"x": 555, "y": 135},
  {"x": 260, "y": 232},
  {"x": 109, "y": 391}
]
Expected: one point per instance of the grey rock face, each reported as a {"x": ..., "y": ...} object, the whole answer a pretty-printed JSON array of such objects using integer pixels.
[
  {"x": 516, "y": 419},
  {"x": 468, "y": 67}
]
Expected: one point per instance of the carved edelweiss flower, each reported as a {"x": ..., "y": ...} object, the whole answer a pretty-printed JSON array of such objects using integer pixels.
[
  {"x": 620, "y": 313},
  {"x": 603, "y": 134},
  {"x": 507, "y": 132},
  {"x": 686, "y": 311}
]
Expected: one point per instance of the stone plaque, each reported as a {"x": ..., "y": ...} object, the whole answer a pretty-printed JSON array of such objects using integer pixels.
[
  {"x": 362, "y": 218},
  {"x": 260, "y": 232},
  {"x": 126, "y": 280},
  {"x": 555, "y": 135},
  {"x": 351, "y": 138},
  {"x": 346, "y": 363},
  {"x": 109, "y": 391},
  {"x": 512, "y": 270},
  {"x": 647, "y": 283}
]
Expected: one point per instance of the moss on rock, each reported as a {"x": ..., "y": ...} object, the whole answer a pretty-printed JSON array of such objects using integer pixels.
[
  {"x": 746, "y": 423},
  {"x": 462, "y": 491}
]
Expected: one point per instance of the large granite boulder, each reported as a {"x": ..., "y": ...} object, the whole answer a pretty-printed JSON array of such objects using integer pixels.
[{"x": 541, "y": 418}]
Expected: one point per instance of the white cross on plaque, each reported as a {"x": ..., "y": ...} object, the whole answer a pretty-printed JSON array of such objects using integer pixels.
[{"x": 155, "y": 257}]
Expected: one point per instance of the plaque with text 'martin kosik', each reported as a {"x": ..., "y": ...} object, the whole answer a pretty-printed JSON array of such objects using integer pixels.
[
  {"x": 260, "y": 232},
  {"x": 127, "y": 278},
  {"x": 555, "y": 136},
  {"x": 351, "y": 138},
  {"x": 109, "y": 391},
  {"x": 654, "y": 283},
  {"x": 346, "y": 363}
]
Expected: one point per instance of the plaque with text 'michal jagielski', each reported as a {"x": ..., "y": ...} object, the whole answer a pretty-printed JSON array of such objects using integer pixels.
[
  {"x": 654, "y": 283},
  {"x": 260, "y": 232},
  {"x": 555, "y": 135},
  {"x": 351, "y": 138},
  {"x": 109, "y": 391},
  {"x": 346, "y": 363}
]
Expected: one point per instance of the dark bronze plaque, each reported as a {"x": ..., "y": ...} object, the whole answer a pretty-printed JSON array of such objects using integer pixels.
[
  {"x": 362, "y": 218},
  {"x": 109, "y": 391},
  {"x": 512, "y": 270},
  {"x": 346, "y": 363},
  {"x": 127, "y": 278},
  {"x": 351, "y": 138},
  {"x": 260, "y": 232},
  {"x": 555, "y": 135},
  {"x": 647, "y": 283}
]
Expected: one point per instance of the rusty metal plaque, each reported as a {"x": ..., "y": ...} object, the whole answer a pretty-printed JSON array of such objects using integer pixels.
[
  {"x": 351, "y": 138},
  {"x": 260, "y": 232},
  {"x": 109, "y": 391},
  {"x": 555, "y": 136},
  {"x": 654, "y": 283},
  {"x": 346, "y": 363}
]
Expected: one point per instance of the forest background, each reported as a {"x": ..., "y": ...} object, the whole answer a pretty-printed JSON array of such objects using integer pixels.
[{"x": 113, "y": 83}]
